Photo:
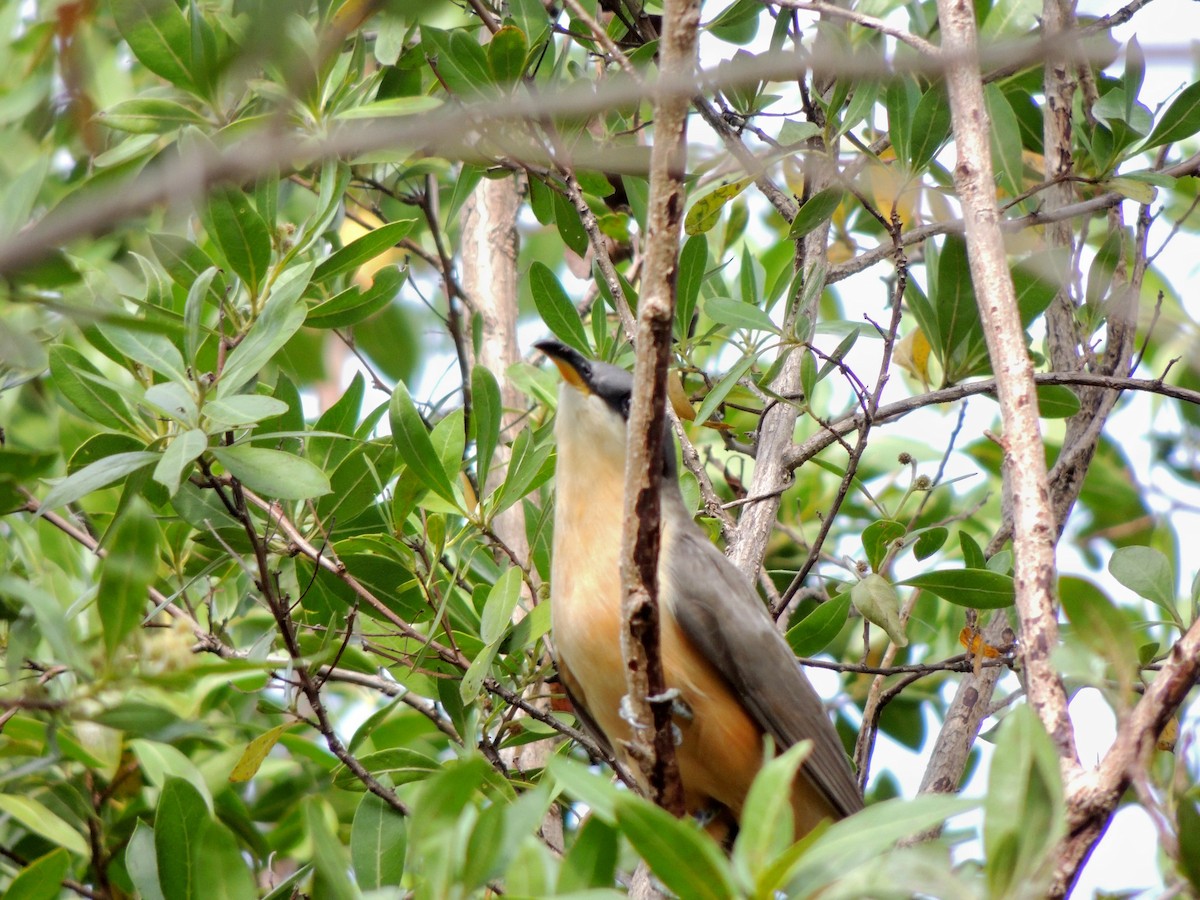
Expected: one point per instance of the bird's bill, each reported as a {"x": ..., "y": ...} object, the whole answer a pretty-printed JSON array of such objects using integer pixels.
[{"x": 571, "y": 364}]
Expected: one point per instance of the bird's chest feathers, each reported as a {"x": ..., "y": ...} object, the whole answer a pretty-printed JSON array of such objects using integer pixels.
[{"x": 586, "y": 616}]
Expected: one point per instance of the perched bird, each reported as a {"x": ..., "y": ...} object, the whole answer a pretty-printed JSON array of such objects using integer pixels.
[{"x": 736, "y": 677}]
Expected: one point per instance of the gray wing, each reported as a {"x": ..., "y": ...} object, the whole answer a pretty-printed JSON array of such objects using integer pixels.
[{"x": 727, "y": 622}]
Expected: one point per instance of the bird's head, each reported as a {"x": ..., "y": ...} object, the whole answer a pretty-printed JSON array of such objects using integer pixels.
[{"x": 593, "y": 408}]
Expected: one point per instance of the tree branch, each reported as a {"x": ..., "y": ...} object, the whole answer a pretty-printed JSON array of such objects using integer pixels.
[
  {"x": 650, "y": 706},
  {"x": 1025, "y": 474}
]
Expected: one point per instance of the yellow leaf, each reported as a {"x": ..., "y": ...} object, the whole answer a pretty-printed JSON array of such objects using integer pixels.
[
  {"x": 912, "y": 355},
  {"x": 678, "y": 397},
  {"x": 707, "y": 210},
  {"x": 254, "y": 754}
]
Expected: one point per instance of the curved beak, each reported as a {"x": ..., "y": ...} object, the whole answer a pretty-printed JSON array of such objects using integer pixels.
[{"x": 575, "y": 368}]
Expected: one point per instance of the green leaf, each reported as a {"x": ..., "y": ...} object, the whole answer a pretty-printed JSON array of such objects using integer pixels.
[
  {"x": 392, "y": 106},
  {"x": 193, "y": 310},
  {"x": 972, "y": 553},
  {"x": 126, "y": 574},
  {"x": 506, "y": 54},
  {"x": 150, "y": 115},
  {"x": 556, "y": 308},
  {"x": 363, "y": 249},
  {"x": 570, "y": 226},
  {"x": 721, "y": 389},
  {"x": 487, "y": 411},
  {"x": 99, "y": 474},
  {"x": 1181, "y": 120},
  {"x": 901, "y": 100},
  {"x": 414, "y": 445},
  {"x": 179, "y": 822},
  {"x": 768, "y": 822},
  {"x": 529, "y": 468},
  {"x": 960, "y": 330},
  {"x": 878, "y": 537},
  {"x": 693, "y": 264},
  {"x": 242, "y": 236},
  {"x": 161, "y": 763},
  {"x": 41, "y": 879},
  {"x": 449, "y": 441},
  {"x": 396, "y": 766},
  {"x": 329, "y": 857},
  {"x": 813, "y": 633},
  {"x": 356, "y": 483},
  {"x": 930, "y": 542},
  {"x": 1024, "y": 813},
  {"x": 816, "y": 210},
  {"x": 586, "y": 786},
  {"x": 93, "y": 397},
  {"x": 930, "y": 128},
  {"x": 869, "y": 834},
  {"x": 141, "y": 862},
  {"x": 681, "y": 857},
  {"x": 1005, "y": 140},
  {"x": 154, "y": 351},
  {"x": 37, "y": 818},
  {"x": 592, "y": 860},
  {"x": 222, "y": 873},
  {"x": 242, "y": 409},
  {"x": 159, "y": 37},
  {"x": 180, "y": 453},
  {"x": 273, "y": 472},
  {"x": 461, "y": 63},
  {"x": 1188, "y": 818},
  {"x": 737, "y": 314},
  {"x": 378, "y": 842},
  {"x": 186, "y": 263},
  {"x": 472, "y": 680},
  {"x": 1147, "y": 573},
  {"x": 281, "y": 318},
  {"x": 1056, "y": 401},
  {"x": 975, "y": 588},
  {"x": 353, "y": 305},
  {"x": 501, "y": 601},
  {"x": 1100, "y": 625}
]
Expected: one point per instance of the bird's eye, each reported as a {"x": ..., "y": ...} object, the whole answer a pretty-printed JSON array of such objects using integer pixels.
[{"x": 625, "y": 405}]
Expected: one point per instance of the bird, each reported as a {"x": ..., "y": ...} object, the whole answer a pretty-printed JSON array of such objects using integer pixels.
[{"x": 735, "y": 678}]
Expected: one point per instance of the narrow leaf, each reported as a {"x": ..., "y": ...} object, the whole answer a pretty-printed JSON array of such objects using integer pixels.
[
  {"x": 975, "y": 588},
  {"x": 179, "y": 822},
  {"x": 254, "y": 753},
  {"x": 126, "y": 574},
  {"x": 684, "y": 859},
  {"x": 280, "y": 319},
  {"x": 414, "y": 445},
  {"x": 816, "y": 210},
  {"x": 36, "y": 817},
  {"x": 1181, "y": 120},
  {"x": 273, "y": 472},
  {"x": 363, "y": 249},
  {"x": 556, "y": 308},
  {"x": 378, "y": 841},
  {"x": 813, "y": 633},
  {"x": 737, "y": 314},
  {"x": 99, "y": 474},
  {"x": 485, "y": 420},
  {"x": 180, "y": 454}
]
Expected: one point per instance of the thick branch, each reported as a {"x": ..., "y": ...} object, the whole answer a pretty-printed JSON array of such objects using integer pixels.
[
  {"x": 1024, "y": 459},
  {"x": 643, "y": 466}
]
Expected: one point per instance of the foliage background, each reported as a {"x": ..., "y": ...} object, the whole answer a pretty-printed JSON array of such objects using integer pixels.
[{"x": 266, "y": 633}]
